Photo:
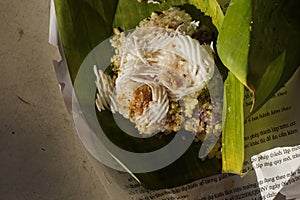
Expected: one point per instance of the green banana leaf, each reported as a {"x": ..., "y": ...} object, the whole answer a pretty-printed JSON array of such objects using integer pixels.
[
  {"x": 253, "y": 36},
  {"x": 233, "y": 125},
  {"x": 259, "y": 43},
  {"x": 83, "y": 24}
]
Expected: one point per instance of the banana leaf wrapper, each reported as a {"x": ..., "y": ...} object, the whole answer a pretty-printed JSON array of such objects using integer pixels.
[{"x": 257, "y": 41}]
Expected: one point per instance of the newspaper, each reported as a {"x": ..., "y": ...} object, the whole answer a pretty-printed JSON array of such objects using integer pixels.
[
  {"x": 271, "y": 135},
  {"x": 276, "y": 170}
]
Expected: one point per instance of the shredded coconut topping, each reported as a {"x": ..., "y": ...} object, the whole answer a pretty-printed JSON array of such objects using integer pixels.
[{"x": 156, "y": 64}]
